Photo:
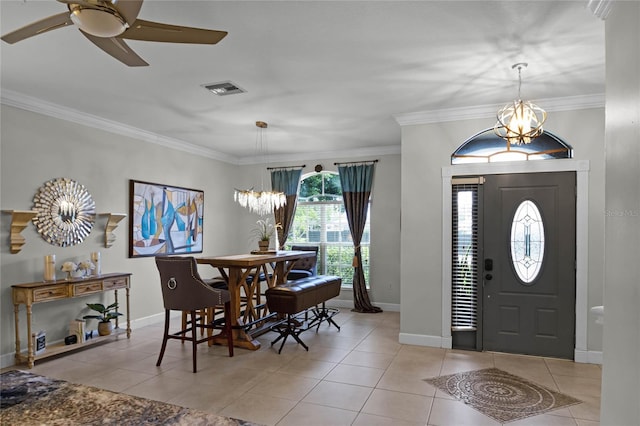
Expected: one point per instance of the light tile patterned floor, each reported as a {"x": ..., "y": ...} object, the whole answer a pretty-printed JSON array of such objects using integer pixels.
[{"x": 358, "y": 376}]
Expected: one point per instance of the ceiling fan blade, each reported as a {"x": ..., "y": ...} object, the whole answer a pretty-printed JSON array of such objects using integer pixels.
[
  {"x": 129, "y": 9},
  {"x": 118, "y": 49},
  {"x": 42, "y": 26},
  {"x": 155, "y": 31}
]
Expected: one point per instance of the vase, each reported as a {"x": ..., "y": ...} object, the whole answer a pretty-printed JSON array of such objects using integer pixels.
[
  {"x": 263, "y": 245},
  {"x": 105, "y": 328},
  {"x": 50, "y": 267},
  {"x": 95, "y": 258}
]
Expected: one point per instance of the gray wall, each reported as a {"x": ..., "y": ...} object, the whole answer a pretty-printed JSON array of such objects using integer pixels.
[
  {"x": 35, "y": 148},
  {"x": 426, "y": 149},
  {"x": 621, "y": 371}
]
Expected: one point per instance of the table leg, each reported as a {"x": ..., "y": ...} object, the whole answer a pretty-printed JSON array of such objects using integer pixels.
[
  {"x": 128, "y": 314},
  {"x": 16, "y": 310},
  {"x": 30, "y": 351},
  {"x": 240, "y": 338},
  {"x": 115, "y": 295}
]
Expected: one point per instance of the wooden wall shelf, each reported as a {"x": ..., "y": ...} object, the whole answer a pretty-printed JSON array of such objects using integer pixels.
[
  {"x": 19, "y": 220},
  {"x": 112, "y": 223}
]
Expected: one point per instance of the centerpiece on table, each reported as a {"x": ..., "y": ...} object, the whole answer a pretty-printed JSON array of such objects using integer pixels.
[
  {"x": 263, "y": 232},
  {"x": 69, "y": 267},
  {"x": 86, "y": 266}
]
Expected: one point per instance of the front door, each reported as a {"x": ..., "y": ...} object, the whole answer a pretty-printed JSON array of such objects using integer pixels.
[{"x": 528, "y": 267}]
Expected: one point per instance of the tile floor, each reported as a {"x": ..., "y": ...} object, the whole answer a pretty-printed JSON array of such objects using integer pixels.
[{"x": 358, "y": 376}]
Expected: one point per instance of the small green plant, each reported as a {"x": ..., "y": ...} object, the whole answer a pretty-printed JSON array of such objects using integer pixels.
[
  {"x": 106, "y": 313},
  {"x": 264, "y": 229}
]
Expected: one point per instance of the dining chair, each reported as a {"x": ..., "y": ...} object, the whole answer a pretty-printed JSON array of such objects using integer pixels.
[
  {"x": 306, "y": 267},
  {"x": 209, "y": 314},
  {"x": 184, "y": 290}
]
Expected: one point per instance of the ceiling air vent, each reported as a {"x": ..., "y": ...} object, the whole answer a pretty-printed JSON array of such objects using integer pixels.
[{"x": 223, "y": 89}]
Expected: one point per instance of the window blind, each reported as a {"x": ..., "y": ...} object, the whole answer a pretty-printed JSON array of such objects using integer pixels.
[{"x": 464, "y": 261}]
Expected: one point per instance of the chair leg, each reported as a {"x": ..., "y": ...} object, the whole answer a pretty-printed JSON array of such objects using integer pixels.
[
  {"x": 194, "y": 338},
  {"x": 184, "y": 323},
  {"x": 227, "y": 327},
  {"x": 165, "y": 337}
]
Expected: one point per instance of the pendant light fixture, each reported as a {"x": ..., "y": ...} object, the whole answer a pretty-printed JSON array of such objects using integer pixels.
[
  {"x": 261, "y": 202},
  {"x": 520, "y": 122}
]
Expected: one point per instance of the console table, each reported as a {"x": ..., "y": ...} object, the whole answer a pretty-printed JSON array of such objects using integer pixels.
[{"x": 29, "y": 294}]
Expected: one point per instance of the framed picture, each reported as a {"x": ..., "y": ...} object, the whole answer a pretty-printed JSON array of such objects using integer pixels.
[{"x": 164, "y": 220}]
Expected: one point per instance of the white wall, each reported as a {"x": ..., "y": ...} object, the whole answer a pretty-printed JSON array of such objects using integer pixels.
[
  {"x": 621, "y": 366},
  {"x": 426, "y": 148},
  {"x": 35, "y": 148}
]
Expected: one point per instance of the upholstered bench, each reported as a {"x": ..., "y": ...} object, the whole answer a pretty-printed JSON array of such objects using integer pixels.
[{"x": 301, "y": 297}]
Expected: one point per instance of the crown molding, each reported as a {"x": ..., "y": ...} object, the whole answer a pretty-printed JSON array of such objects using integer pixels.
[
  {"x": 489, "y": 111},
  {"x": 600, "y": 8},
  {"x": 323, "y": 155},
  {"x": 39, "y": 106}
]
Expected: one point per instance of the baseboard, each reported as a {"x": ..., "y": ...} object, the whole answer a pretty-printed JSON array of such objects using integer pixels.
[
  {"x": 580, "y": 356},
  {"x": 345, "y": 303},
  {"x": 9, "y": 360},
  {"x": 424, "y": 340},
  {"x": 587, "y": 357}
]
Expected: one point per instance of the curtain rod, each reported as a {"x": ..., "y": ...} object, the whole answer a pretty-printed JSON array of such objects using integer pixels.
[
  {"x": 286, "y": 167},
  {"x": 356, "y": 162}
]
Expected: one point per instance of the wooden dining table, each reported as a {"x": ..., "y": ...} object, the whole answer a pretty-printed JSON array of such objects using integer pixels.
[{"x": 245, "y": 275}]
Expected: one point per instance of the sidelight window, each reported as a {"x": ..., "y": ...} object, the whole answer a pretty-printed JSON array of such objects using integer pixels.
[{"x": 464, "y": 277}]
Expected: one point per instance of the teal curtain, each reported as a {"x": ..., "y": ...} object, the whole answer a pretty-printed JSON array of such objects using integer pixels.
[
  {"x": 287, "y": 181},
  {"x": 357, "y": 181}
]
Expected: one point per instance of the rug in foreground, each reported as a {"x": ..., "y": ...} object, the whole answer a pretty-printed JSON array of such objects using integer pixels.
[
  {"x": 30, "y": 399},
  {"x": 501, "y": 395}
]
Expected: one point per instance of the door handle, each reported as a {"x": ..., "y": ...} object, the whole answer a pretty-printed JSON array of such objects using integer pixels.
[{"x": 488, "y": 277}]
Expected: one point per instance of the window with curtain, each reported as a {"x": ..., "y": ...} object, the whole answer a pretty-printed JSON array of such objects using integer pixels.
[{"x": 321, "y": 220}]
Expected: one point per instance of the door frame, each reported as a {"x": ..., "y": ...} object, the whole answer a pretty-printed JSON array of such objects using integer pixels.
[{"x": 581, "y": 167}]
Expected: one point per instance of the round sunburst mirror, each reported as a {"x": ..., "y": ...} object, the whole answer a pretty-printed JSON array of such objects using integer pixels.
[{"x": 65, "y": 212}]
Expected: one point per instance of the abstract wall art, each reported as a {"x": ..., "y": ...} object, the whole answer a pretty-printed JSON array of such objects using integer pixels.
[{"x": 165, "y": 220}]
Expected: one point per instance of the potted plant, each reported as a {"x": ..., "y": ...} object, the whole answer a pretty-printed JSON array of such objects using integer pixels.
[
  {"x": 263, "y": 232},
  {"x": 104, "y": 319}
]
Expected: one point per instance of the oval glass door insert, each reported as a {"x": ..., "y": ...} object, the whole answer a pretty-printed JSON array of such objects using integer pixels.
[{"x": 527, "y": 241}]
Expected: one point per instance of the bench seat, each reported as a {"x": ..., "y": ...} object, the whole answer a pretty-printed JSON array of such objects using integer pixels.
[{"x": 297, "y": 296}]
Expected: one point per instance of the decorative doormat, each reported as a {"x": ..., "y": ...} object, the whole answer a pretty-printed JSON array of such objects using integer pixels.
[
  {"x": 500, "y": 395},
  {"x": 29, "y": 399}
]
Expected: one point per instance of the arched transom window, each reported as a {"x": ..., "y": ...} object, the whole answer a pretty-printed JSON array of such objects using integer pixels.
[{"x": 487, "y": 147}]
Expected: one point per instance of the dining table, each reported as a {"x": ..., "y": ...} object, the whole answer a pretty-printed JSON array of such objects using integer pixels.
[{"x": 246, "y": 274}]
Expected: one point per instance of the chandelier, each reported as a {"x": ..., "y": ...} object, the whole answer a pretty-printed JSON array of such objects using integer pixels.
[
  {"x": 519, "y": 122},
  {"x": 261, "y": 202}
]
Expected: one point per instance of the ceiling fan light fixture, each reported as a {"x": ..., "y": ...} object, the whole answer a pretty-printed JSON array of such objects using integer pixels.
[{"x": 100, "y": 22}]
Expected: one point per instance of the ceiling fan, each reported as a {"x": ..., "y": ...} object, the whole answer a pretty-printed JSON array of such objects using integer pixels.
[{"x": 106, "y": 23}]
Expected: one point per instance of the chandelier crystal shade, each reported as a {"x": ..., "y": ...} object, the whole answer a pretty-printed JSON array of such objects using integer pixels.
[
  {"x": 261, "y": 202},
  {"x": 519, "y": 122}
]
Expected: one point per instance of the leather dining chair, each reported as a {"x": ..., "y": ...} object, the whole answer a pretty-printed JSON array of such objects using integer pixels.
[
  {"x": 184, "y": 290},
  {"x": 306, "y": 267}
]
